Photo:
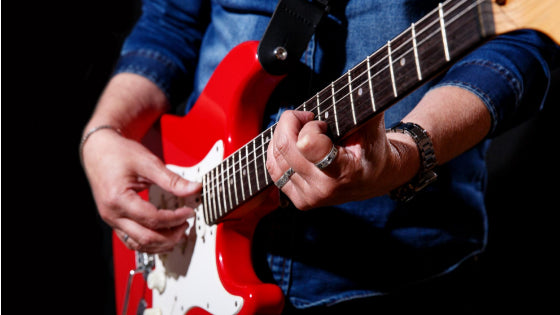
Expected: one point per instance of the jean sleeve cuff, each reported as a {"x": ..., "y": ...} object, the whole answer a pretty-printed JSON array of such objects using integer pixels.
[
  {"x": 157, "y": 68},
  {"x": 497, "y": 87}
]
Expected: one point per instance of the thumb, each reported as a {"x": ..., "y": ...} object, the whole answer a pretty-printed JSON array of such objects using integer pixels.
[{"x": 170, "y": 181}]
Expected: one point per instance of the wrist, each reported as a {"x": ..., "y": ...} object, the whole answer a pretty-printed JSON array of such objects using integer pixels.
[
  {"x": 130, "y": 103},
  {"x": 406, "y": 158},
  {"x": 89, "y": 133},
  {"x": 418, "y": 162}
]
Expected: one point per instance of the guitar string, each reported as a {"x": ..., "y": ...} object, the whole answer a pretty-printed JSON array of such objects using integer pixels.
[
  {"x": 372, "y": 66},
  {"x": 397, "y": 57},
  {"x": 437, "y": 32},
  {"x": 217, "y": 179}
]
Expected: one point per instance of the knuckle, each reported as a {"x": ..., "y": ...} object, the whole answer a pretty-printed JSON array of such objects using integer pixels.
[
  {"x": 151, "y": 223},
  {"x": 173, "y": 179},
  {"x": 110, "y": 206},
  {"x": 280, "y": 146},
  {"x": 112, "y": 200},
  {"x": 144, "y": 241},
  {"x": 304, "y": 206}
]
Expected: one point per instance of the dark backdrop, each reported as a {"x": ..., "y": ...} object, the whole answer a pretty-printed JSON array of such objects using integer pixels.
[{"x": 56, "y": 250}]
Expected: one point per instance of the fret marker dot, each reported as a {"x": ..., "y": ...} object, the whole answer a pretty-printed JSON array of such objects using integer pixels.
[
  {"x": 326, "y": 115},
  {"x": 360, "y": 91},
  {"x": 403, "y": 61}
]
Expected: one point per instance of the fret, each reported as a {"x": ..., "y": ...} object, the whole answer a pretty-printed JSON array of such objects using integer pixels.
[
  {"x": 415, "y": 47},
  {"x": 381, "y": 79},
  {"x": 255, "y": 162},
  {"x": 361, "y": 94},
  {"x": 429, "y": 42},
  {"x": 205, "y": 197},
  {"x": 342, "y": 109},
  {"x": 310, "y": 106},
  {"x": 405, "y": 73},
  {"x": 324, "y": 97},
  {"x": 370, "y": 85},
  {"x": 443, "y": 32},
  {"x": 240, "y": 174},
  {"x": 223, "y": 189},
  {"x": 229, "y": 182},
  {"x": 208, "y": 195},
  {"x": 214, "y": 192},
  {"x": 218, "y": 203},
  {"x": 233, "y": 180},
  {"x": 391, "y": 68},
  {"x": 247, "y": 172},
  {"x": 334, "y": 109},
  {"x": 318, "y": 107},
  {"x": 465, "y": 26},
  {"x": 351, "y": 97},
  {"x": 257, "y": 168},
  {"x": 264, "y": 146},
  {"x": 212, "y": 196}
]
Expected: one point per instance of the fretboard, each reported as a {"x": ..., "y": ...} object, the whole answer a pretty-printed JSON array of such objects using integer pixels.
[{"x": 378, "y": 82}]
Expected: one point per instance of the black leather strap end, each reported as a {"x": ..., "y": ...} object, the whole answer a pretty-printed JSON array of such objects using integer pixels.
[{"x": 288, "y": 33}]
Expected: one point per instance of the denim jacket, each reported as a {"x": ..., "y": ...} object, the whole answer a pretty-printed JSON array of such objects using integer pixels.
[{"x": 367, "y": 248}]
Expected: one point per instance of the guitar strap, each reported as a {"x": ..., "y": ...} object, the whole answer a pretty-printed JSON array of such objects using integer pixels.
[{"x": 288, "y": 33}]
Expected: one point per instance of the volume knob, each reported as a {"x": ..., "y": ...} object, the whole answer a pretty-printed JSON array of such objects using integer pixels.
[{"x": 156, "y": 280}]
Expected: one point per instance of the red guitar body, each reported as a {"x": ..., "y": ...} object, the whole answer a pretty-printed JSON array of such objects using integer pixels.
[
  {"x": 212, "y": 271},
  {"x": 229, "y": 110}
]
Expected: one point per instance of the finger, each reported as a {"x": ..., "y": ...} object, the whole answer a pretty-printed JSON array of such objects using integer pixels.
[
  {"x": 148, "y": 215},
  {"x": 313, "y": 143},
  {"x": 150, "y": 241},
  {"x": 127, "y": 241},
  {"x": 153, "y": 169},
  {"x": 282, "y": 147}
]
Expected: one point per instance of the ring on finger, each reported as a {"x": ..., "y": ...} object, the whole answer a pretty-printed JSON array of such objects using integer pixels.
[
  {"x": 328, "y": 159},
  {"x": 285, "y": 178}
]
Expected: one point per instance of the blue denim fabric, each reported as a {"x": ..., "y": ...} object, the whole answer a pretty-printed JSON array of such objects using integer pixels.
[{"x": 324, "y": 256}]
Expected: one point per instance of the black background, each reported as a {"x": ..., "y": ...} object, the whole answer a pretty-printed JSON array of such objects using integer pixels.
[{"x": 55, "y": 251}]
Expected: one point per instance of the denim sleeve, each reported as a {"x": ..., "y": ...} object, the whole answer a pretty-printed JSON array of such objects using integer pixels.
[
  {"x": 164, "y": 43},
  {"x": 511, "y": 74}
]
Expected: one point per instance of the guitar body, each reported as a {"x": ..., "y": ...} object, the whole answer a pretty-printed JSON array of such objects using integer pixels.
[
  {"x": 218, "y": 144},
  {"x": 211, "y": 272}
]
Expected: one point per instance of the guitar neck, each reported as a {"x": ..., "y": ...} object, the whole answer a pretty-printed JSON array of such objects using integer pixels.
[
  {"x": 400, "y": 66},
  {"x": 406, "y": 62}
]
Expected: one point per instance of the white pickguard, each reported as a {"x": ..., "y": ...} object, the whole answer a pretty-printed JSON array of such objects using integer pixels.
[{"x": 188, "y": 276}]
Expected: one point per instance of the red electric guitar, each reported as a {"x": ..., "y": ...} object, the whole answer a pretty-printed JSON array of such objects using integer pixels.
[{"x": 219, "y": 143}]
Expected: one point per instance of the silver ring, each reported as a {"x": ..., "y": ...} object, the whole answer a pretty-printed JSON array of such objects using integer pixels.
[
  {"x": 125, "y": 238},
  {"x": 327, "y": 160},
  {"x": 284, "y": 179}
]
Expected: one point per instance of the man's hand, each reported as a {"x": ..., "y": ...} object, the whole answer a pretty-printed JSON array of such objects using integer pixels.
[
  {"x": 358, "y": 171},
  {"x": 119, "y": 168}
]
